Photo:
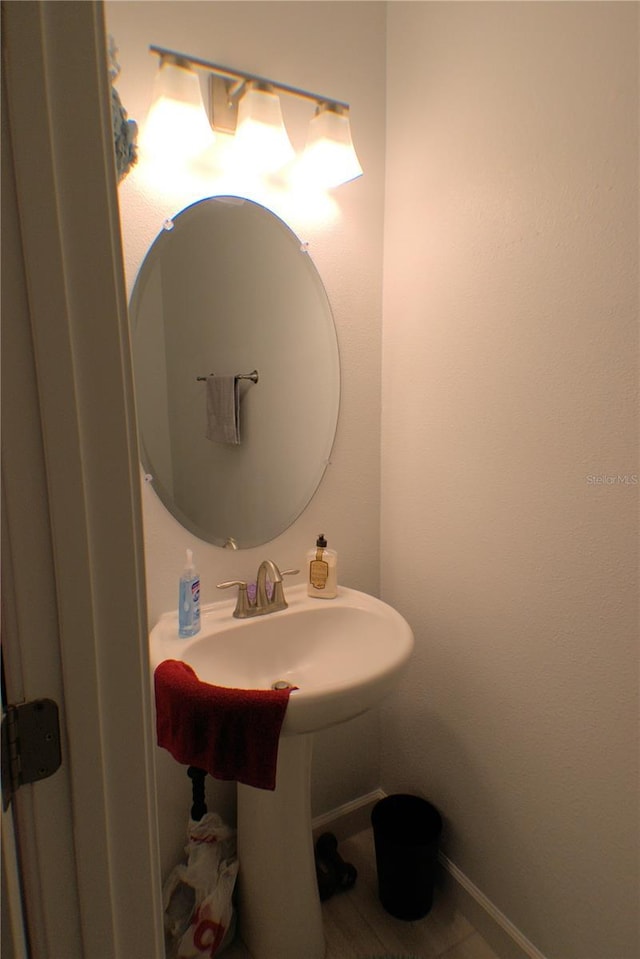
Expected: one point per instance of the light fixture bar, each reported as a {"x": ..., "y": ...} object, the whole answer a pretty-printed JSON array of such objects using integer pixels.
[{"x": 241, "y": 75}]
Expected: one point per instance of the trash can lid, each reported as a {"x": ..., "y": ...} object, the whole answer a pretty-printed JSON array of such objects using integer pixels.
[{"x": 404, "y": 818}]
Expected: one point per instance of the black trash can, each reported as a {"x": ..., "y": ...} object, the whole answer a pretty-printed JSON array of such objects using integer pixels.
[{"x": 406, "y": 831}]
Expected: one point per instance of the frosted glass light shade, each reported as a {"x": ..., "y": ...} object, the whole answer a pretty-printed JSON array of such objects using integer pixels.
[
  {"x": 329, "y": 158},
  {"x": 177, "y": 125},
  {"x": 261, "y": 141}
]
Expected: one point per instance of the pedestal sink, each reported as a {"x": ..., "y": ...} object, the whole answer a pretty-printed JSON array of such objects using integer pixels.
[{"x": 344, "y": 656}]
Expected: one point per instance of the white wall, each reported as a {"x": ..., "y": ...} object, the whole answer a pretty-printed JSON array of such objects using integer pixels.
[
  {"x": 310, "y": 45},
  {"x": 510, "y": 352}
]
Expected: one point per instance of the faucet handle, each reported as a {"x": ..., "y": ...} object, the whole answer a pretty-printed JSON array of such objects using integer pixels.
[
  {"x": 278, "y": 600},
  {"x": 242, "y": 605}
]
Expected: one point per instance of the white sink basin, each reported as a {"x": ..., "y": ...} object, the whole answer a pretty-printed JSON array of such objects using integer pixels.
[{"x": 343, "y": 654}]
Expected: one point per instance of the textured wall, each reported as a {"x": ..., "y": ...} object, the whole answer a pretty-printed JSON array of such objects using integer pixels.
[
  {"x": 509, "y": 532},
  {"x": 310, "y": 45}
]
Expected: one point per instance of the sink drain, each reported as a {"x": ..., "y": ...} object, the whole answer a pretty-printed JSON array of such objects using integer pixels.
[{"x": 281, "y": 684}]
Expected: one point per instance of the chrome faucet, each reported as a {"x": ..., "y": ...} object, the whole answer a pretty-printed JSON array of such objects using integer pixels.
[{"x": 263, "y": 603}]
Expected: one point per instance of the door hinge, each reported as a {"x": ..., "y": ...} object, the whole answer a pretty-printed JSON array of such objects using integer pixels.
[{"x": 30, "y": 744}]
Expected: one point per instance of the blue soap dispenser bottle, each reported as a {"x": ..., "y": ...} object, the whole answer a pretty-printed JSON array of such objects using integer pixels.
[{"x": 189, "y": 600}]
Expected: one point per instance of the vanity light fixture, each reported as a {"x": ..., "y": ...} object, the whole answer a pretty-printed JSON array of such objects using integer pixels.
[{"x": 247, "y": 107}]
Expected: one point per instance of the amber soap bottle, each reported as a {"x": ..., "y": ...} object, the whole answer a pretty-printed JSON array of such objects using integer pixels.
[{"x": 322, "y": 567}]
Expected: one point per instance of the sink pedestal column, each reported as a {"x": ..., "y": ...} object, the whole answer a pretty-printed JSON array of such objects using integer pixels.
[{"x": 279, "y": 913}]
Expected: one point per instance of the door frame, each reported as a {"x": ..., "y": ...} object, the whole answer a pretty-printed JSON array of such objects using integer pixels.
[{"x": 74, "y": 606}]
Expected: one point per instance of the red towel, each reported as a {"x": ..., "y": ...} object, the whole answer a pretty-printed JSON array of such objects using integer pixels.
[{"x": 232, "y": 733}]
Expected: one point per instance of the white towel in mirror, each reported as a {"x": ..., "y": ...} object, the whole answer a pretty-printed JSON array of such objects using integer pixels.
[{"x": 223, "y": 409}]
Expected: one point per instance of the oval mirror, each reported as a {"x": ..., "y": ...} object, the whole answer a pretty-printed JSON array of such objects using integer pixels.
[{"x": 225, "y": 291}]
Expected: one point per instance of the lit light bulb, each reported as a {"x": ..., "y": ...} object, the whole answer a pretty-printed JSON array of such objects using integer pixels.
[
  {"x": 177, "y": 128},
  {"x": 261, "y": 141},
  {"x": 329, "y": 158}
]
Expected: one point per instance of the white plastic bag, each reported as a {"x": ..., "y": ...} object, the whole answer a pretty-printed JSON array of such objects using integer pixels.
[{"x": 197, "y": 897}]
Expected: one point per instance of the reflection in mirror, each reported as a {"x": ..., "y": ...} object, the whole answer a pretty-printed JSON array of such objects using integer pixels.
[{"x": 226, "y": 289}]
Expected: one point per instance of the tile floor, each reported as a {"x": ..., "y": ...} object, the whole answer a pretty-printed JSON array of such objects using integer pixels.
[{"x": 357, "y": 927}]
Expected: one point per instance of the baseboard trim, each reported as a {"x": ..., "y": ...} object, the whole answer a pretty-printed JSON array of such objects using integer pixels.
[
  {"x": 349, "y": 818},
  {"x": 500, "y": 933}
]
